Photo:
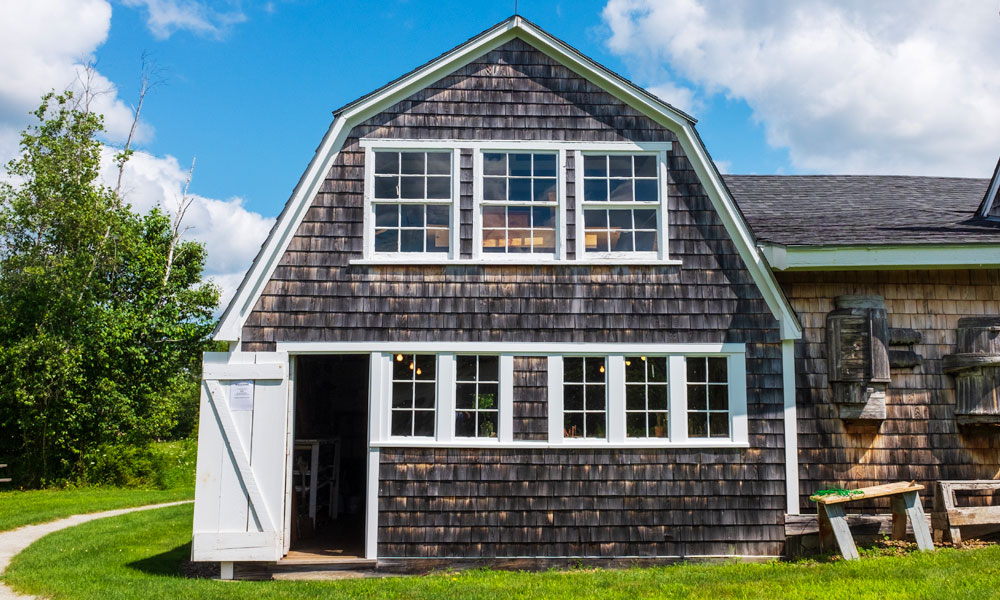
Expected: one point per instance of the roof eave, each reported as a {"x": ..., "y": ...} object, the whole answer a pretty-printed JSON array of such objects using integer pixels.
[{"x": 880, "y": 257}]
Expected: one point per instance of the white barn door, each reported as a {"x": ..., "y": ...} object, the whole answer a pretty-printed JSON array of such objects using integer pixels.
[{"x": 240, "y": 486}]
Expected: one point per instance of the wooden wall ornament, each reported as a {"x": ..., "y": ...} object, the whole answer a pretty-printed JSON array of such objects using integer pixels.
[
  {"x": 857, "y": 337},
  {"x": 976, "y": 367}
]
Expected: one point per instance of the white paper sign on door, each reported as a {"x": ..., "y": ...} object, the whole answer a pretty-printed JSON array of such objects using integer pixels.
[{"x": 241, "y": 395}]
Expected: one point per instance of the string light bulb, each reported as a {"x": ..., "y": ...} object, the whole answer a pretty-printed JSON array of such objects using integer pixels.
[
  {"x": 419, "y": 372},
  {"x": 411, "y": 366},
  {"x": 643, "y": 358},
  {"x": 602, "y": 368},
  {"x": 628, "y": 363},
  {"x": 399, "y": 358}
]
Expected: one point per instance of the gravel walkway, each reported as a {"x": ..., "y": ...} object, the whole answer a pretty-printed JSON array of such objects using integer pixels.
[{"x": 14, "y": 541}]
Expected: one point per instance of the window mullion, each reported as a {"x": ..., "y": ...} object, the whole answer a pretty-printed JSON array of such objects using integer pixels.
[
  {"x": 616, "y": 398},
  {"x": 677, "y": 397},
  {"x": 555, "y": 399},
  {"x": 445, "y": 416},
  {"x": 505, "y": 404}
]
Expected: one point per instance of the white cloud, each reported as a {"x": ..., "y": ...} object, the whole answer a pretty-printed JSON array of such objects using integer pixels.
[
  {"x": 166, "y": 17},
  {"x": 848, "y": 85},
  {"x": 45, "y": 44}
]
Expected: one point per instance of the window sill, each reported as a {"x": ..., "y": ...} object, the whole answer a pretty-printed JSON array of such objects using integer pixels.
[
  {"x": 546, "y": 262},
  {"x": 689, "y": 444}
]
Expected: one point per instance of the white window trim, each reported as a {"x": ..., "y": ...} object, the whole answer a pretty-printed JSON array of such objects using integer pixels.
[
  {"x": 381, "y": 390},
  {"x": 662, "y": 253},
  {"x": 453, "y": 257},
  {"x": 368, "y": 252}
]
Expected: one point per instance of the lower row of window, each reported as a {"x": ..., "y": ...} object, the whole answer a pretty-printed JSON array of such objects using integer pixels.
[{"x": 585, "y": 389}]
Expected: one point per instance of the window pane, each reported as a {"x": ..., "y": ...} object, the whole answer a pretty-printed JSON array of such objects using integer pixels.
[
  {"x": 439, "y": 188},
  {"x": 595, "y": 369},
  {"x": 488, "y": 424},
  {"x": 411, "y": 188},
  {"x": 519, "y": 216},
  {"x": 412, "y": 215},
  {"x": 545, "y": 165},
  {"x": 494, "y": 216},
  {"x": 573, "y": 425},
  {"x": 717, "y": 369},
  {"x": 595, "y": 218},
  {"x": 423, "y": 395},
  {"x": 573, "y": 368},
  {"x": 520, "y": 164},
  {"x": 718, "y": 397},
  {"x": 465, "y": 368},
  {"x": 595, "y": 190},
  {"x": 635, "y": 369},
  {"x": 402, "y": 366},
  {"x": 465, "y": 395},
  {"x": 412, "y": 163},
  {"x": 423, "y": 423},
  {"x": 635, "y": 424},
  {"x": 658, "y": 425},
  {"x": 573, "y": 397},
  {"x": 594, "y": 397},
  {"x": 438, "y": 215},
  {"x": 696, "y": 397},
  {"x": 656, "y": 367},
  {"x": 545, "y": 190},
  {"x": 402, "y": 422},
  {"x": 596, "y": 241},
  {"x": 545, "y": 240},
  {"x": 635, "y": 397},
  {"x": 645, "y": 165},
  {"x": 621, "y": 190},
  {"x": 402, "y": 395},
  {"x": 595, "y": 166},
  {"x": 620, "y": 219},
  {"x": 437, "y": 240},
  {"x": 387, "y": 240},
  {"x": 438, "y": 163},
  {"x": 596, "y": 425},
  {"x": 487, "y": 397},
  {"x": 696, "y": 368},
  {"x": 494, "y": 240},
  {"x": 489, "y": 368},
  {"x": 465, "y": 424},
  {"x": 519, "y": 240},
  {"x": 387, "y": 187},
  {"x": 645, "y": 241},
  {"x": 519, "y": 190},
  {"x": 621, "y": 241},
  {"x": 620, "y": 165},
  {"x": 494, "y": 164},
  {"x": 386, "y": 215},
  {"x": 657, "y": 397},
  {"x": 645, "y": 190},
  {"x": 494, "y": 188},
  {"x": 426, "y": 366},
  {"x": 644, "y": 219},
  {"x": 718, "y": 424},
  {"x": 543, "y": 216},
  {"x": 387, "y": 162},
  {"x": 697, "y": 425},
  {"x": 411, "y": 240}
]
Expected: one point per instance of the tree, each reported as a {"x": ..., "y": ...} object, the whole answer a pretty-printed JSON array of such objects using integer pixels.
[{"x": 103, "y": 312}]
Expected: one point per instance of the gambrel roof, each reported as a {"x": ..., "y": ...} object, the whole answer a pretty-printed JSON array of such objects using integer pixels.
[{"x": 230, "y": 326}]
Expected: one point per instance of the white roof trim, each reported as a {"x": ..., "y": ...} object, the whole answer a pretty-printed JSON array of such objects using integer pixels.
[
  {"x": 231, "y": 324},
  {"x": 819, "y": 258},
  {"x": 991, "y": 194}
]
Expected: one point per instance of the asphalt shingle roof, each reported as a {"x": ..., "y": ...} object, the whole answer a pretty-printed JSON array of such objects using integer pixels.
[{"x": 816, "y": 210}]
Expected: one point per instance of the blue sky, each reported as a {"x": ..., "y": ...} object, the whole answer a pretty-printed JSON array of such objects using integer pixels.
[
  {"x": 253, "y": 103},
  {"x": 248, "y": 86}
]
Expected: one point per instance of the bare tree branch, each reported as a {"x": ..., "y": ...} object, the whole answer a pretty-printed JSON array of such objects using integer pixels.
[{"x": 175, "y": 231}]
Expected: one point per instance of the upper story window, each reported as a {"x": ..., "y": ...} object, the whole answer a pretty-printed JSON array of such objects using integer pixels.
[
  {"x": 411, "y": 198},
  {"x": 621, "y": 204},
  {"x": 520, "y": 202}
]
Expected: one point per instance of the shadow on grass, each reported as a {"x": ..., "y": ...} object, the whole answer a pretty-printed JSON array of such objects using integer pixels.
[{"x": 164, "y": 564}]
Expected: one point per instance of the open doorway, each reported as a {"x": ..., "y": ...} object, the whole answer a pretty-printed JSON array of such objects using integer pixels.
[{"x": 330, "y": 457}]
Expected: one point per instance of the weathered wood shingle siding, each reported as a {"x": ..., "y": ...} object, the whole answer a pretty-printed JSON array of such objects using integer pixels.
[
  {"x": 531, "y": 398},
  {"x": 919, "y": 438},
  {"x": 561, "y": 503}
]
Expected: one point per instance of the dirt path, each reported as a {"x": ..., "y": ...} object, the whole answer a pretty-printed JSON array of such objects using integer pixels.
[{"x": 14, "y": 541}]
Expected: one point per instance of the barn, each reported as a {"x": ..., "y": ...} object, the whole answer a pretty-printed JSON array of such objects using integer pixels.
[{"x": 513, "y": 313}]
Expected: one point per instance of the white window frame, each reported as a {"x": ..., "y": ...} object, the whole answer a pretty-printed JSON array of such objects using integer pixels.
[
  {"x": 478, "y": 203},
  {"x": 662, "y": 217},
  {"x": 563, "y": 148},
  {"x": 370, "y": 202},
  {"x": 381, "y": 391}
]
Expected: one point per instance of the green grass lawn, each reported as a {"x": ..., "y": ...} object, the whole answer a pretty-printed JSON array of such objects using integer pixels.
[
  {"x": 174, "y": 481},
  {"x": 139, "y": 555}
]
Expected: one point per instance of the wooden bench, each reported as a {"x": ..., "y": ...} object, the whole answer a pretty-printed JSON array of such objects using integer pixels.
[
  {"x": 948, "y": 517},
  {"x": 905, "y": 501},
  {"x": 4, "y": 479}
]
